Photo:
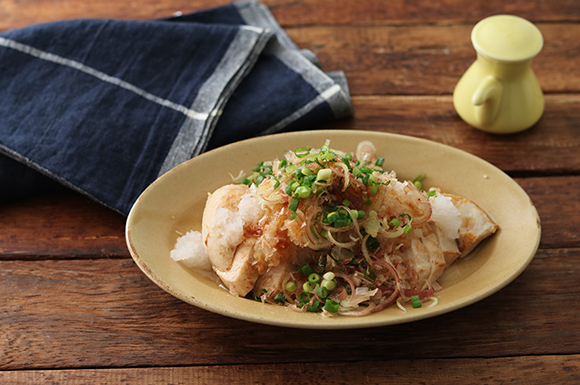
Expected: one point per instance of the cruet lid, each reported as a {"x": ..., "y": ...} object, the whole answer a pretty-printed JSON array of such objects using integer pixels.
[{"x": 507, "y": 38}]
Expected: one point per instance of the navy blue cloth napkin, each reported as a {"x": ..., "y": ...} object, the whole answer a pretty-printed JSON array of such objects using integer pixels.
[{"x": 107, "y": 106}]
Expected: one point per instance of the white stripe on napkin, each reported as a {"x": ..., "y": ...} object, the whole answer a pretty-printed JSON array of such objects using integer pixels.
[
  {"x": 323, "y": 97},
  {"x": 283, "y": 48},
  {"x": 238, "y": 60},
  {"x": 29, "y": 50}
]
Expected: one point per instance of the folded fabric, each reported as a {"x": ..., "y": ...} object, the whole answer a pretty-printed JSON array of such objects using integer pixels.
[{"x": 107, "y": 106}]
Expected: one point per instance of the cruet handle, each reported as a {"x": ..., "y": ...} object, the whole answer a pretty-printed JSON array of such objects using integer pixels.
[{"x": 487, "y": 99}]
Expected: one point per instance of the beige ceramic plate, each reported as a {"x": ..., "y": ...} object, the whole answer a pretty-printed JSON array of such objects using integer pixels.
[{"x": 174, "y": 203}]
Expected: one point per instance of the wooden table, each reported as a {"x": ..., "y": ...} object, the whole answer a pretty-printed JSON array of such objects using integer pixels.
[{"x": 75, "y": 308}]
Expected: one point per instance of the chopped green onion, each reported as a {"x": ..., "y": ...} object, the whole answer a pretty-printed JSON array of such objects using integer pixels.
[
  {"x": 420, "y": 177},
  {"x": 356, "y": 171},
  {"x": 342, "y": 222},
  {"x": 373, "y": 243},
  {"x": 313, "y": 231},
  {"x": 282, "y": 163},
  {"x": 256, "y": 169},
  {"x": 294, "y": 204},
  {"x": 279, "y": 298},
  {"x": 315, "y": 307},
  {"x": 342, "y": 212},
  {"x": 308, "y": 180},
  {"x": 407, "y": 229},
  {"x": 329, "y": 276},
  {"x": 303, "y": 192},
  {"x": 257, "y": 297},
  {"x": 331, "y": 306},
  {"x": 346, "y": 161},
  {"x": 291, "y": 168},
  {"x": 346, "y": 203},
  {"x": 370, "y": 275},
  {"x": 322, "y": 292},
  {"x": 416, "y": 301},
  {"x": 302, "y": 152},
  {"x": 307, "y": 287},
  {"x": 303, "y": 296},
  {"x": 380, "y": 162},
  {"x": 246, "y": 181},
  {"x": 306, "y": 269},
  {"x": 331, "y": 217},
  {"x": 366, "y": 170},
  {"x": 328, "y": 284},
  {"x": 307, "y": 171},
  {"x": 294, "y": 185},
  {"x": 292, "y": 215},
  {"x": 406, "y": 215},
  {"x": 324, "y": 155},
  {"x": 303, "y": 299},
  {"x": 375, "y": 188},
  {"x": 268, "y": 170},
  {"x": 290, "y": 286},
  {"x": 360, "y": 215},
  {"x": 395, "y": 223},
  {"x": 313, "y": 278},
  {"x": 324, "y": 174},
  {"x": 432, "y": 193}
]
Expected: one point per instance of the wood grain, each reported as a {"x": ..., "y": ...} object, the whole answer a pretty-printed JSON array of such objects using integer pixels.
[
  {"x": 106, "y": 313},
  {"x": 61, "y": 225},
  {"x": 534, "y": 369},
  {"x": 428, "y": 59},
  {"x": 290, "y": 13}
]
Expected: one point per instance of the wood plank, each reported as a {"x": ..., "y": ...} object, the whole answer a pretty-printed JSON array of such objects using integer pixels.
[
  {"x": 372, "y": 12},
  {"x": 556, "y": 200},
  {"x": 534, "y": 369},
  {"x": 106, "y": 313},
  {"x": 290, "y": 13},
  {"x": 428, "y": 59},
  {"x": 62, "y": 225}
]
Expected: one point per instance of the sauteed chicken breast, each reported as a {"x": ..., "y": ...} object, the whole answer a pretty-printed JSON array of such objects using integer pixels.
[{"x": 333, "y": 232}]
